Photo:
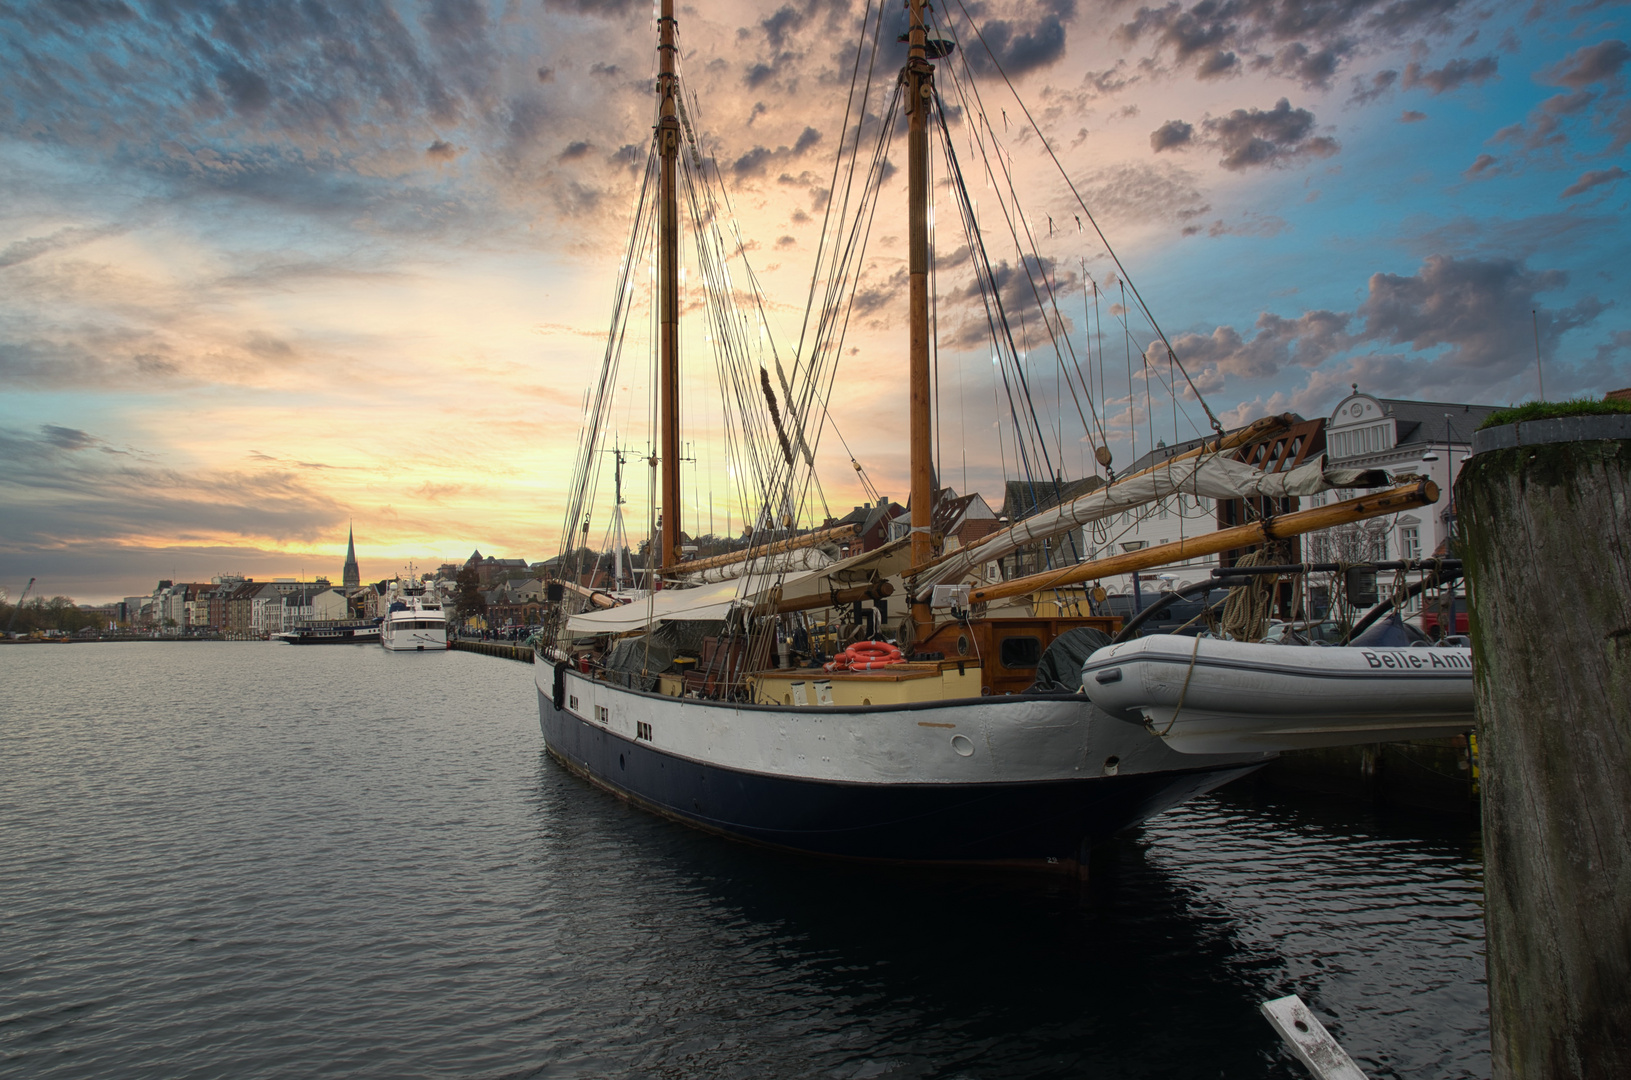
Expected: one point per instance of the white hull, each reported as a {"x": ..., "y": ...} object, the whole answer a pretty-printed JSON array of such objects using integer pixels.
[
  {"x": 1026, "y": 780},
  {"x": 1210, "y": 696},
  {"x": 415, "y": 640},
  {"x": 414, "y": 623}
]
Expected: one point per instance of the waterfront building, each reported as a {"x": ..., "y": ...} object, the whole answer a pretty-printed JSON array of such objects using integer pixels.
[
  {"x": 265, "y": 608},
  {"x": 239, "y": 609},
  {"x": 516, "y": 603},
  {"x": 1400, "y": 435},
  {"x": 872, "y": 523},
  {"x": 328, "y": 605},
  {"x": 1422, "y": 438},
  {"x": 491, "y": 571}
]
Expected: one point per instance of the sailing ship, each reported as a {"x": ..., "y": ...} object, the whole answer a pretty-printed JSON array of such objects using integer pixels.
[{"x": 767, "y": 693}]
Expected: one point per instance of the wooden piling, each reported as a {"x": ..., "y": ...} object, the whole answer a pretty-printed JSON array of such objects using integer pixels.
[{"x": 1545, "y": 532}]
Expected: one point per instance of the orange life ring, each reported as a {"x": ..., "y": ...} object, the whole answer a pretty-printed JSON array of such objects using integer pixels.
[{"x": 876, "y": 648}]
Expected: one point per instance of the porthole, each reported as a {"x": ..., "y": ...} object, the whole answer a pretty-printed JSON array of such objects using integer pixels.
[
  {"x": 620, "y": 763},
  {"x": 962, "y": 644},
  {"x": 962, "y": 745}
]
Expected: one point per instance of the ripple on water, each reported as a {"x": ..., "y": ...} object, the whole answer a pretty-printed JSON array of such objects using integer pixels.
[{"x": 259, "y": 860}]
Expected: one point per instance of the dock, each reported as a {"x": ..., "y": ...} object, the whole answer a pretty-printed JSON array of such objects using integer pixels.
[{"x": 504, "y": 650}]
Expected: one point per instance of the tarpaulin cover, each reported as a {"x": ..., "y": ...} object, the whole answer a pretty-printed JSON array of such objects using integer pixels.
[
  {"x": 635, "y": 661},
  {"x": 1060, "y": 669}
]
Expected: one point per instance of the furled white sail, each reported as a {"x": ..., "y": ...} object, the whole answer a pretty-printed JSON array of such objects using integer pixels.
[
  {"x": 1212, "y": 476},
  {"x": 813, "y": 558}
]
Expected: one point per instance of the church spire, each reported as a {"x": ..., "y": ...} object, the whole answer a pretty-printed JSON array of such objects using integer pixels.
[{"x": 351, "y": 577}]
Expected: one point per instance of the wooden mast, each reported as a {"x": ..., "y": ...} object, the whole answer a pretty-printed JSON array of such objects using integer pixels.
[
  {"x": 668, "y": 286},
  {"x": 919, "y": 79}
]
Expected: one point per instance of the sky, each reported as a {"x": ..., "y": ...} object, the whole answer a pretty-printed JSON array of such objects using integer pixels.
[{"x": 268, "y": 270}]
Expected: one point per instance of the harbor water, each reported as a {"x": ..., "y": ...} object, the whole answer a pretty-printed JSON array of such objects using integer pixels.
[{"x": 252, "y": 860}]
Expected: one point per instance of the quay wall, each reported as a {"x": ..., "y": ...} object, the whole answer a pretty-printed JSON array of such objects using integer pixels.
[{"x": 502, "y": 649}]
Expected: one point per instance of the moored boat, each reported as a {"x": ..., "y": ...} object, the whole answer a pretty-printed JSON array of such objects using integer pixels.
[
  {"x": 717, "y": 698},
  {"x": 414, "y": 621},
  {"x": 350, "y": 632},
  {"x": 1205, "y": 695}
]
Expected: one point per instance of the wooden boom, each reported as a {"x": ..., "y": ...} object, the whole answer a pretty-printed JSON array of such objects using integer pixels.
[
  {"x": 1391, "y": 501},
  {"x": 820, "y": 536},
  {"x": 1258, "y": 429},
  {"x": 835, "y": 598},
  {"x": 595, "y": 596}
]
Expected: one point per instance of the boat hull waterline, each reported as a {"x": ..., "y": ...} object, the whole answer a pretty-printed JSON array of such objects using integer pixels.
[
  {"x": 1023, "y": 782},
  {"x": 1212, "y": 696}
]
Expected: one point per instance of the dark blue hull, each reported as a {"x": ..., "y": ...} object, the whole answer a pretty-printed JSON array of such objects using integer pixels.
[{"x": 1049, "y": 824}]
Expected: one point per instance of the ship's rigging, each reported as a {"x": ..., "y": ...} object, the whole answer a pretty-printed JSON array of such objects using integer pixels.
[{"x": 774, "y": 411}]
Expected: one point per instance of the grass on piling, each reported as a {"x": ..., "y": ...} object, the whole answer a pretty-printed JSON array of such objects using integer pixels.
[{"x": 1551, "y": 410}]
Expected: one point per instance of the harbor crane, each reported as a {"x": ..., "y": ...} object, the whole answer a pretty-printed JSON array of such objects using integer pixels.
[{"x": 12, "y": 622}]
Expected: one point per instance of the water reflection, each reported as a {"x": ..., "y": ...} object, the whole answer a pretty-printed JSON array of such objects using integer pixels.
[
  {"x": 263, "y": 861},
  {"x": 745, "y": 961}
]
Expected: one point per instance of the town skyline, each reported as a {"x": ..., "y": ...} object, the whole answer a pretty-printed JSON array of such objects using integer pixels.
[{"x": 238, "y": 270}]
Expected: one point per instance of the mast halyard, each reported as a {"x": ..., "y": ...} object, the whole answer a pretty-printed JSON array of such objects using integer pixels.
[
  {"x": 918, "y": 75},
  {"x": 668, "y": 287}
]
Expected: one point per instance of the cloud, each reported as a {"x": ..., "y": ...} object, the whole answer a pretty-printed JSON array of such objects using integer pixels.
[
  {"x": 1411, "y": 116},
  {"x": 1307, "y": 341},
  {"x": 1252, "y": 138},
  {"x": 1588, "y": 66},
  {"x": 1543, "y": 127},
  {"x": 1593, "y": 88},
  {"x": 1170, "y": 135},
  {"x": 1480, "y": 165},
  {"x": 1452, "y": 76},
  {"x": 1473, "y": 308},
  {"x": 1314, "y": 69},
  {"x": 57, "y": 493},
  {"x": 1030, "y": 38},
  {"x": 21, "y": 251},
  {"x": 65, "y": 438},
  {"x": 1305, "y": 42},
  {"x": 758, "y": 160},
  {"x": 1365, "y": 92},
  {"x": 1456, "y": 319},
  {"x": 1595, "y": 178},
  {"x": 1143, "y": 192}
]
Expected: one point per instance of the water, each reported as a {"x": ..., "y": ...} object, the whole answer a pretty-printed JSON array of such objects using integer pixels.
[{"x": 223, "y": 859}]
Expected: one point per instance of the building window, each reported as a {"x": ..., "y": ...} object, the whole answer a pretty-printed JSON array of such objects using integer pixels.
[
  {"x": 1410, "y": 543},
  {"x": 1133, "y": 545}
]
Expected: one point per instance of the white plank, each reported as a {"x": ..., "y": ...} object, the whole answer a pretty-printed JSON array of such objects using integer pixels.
[{"x": 1309, "y": 1040}]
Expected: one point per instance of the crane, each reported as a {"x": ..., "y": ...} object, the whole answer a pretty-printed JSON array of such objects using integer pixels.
[{"x": 13, "y": 620}]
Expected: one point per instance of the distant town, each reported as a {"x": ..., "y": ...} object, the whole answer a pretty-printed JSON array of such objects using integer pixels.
[{"x": 489, "y": 594}]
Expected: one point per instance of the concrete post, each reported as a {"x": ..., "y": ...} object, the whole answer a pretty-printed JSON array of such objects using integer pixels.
[{"x": 1545, "y": 532}]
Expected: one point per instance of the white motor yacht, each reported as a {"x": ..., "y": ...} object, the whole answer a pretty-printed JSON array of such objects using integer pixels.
[{"x": 415, "y": 621}]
